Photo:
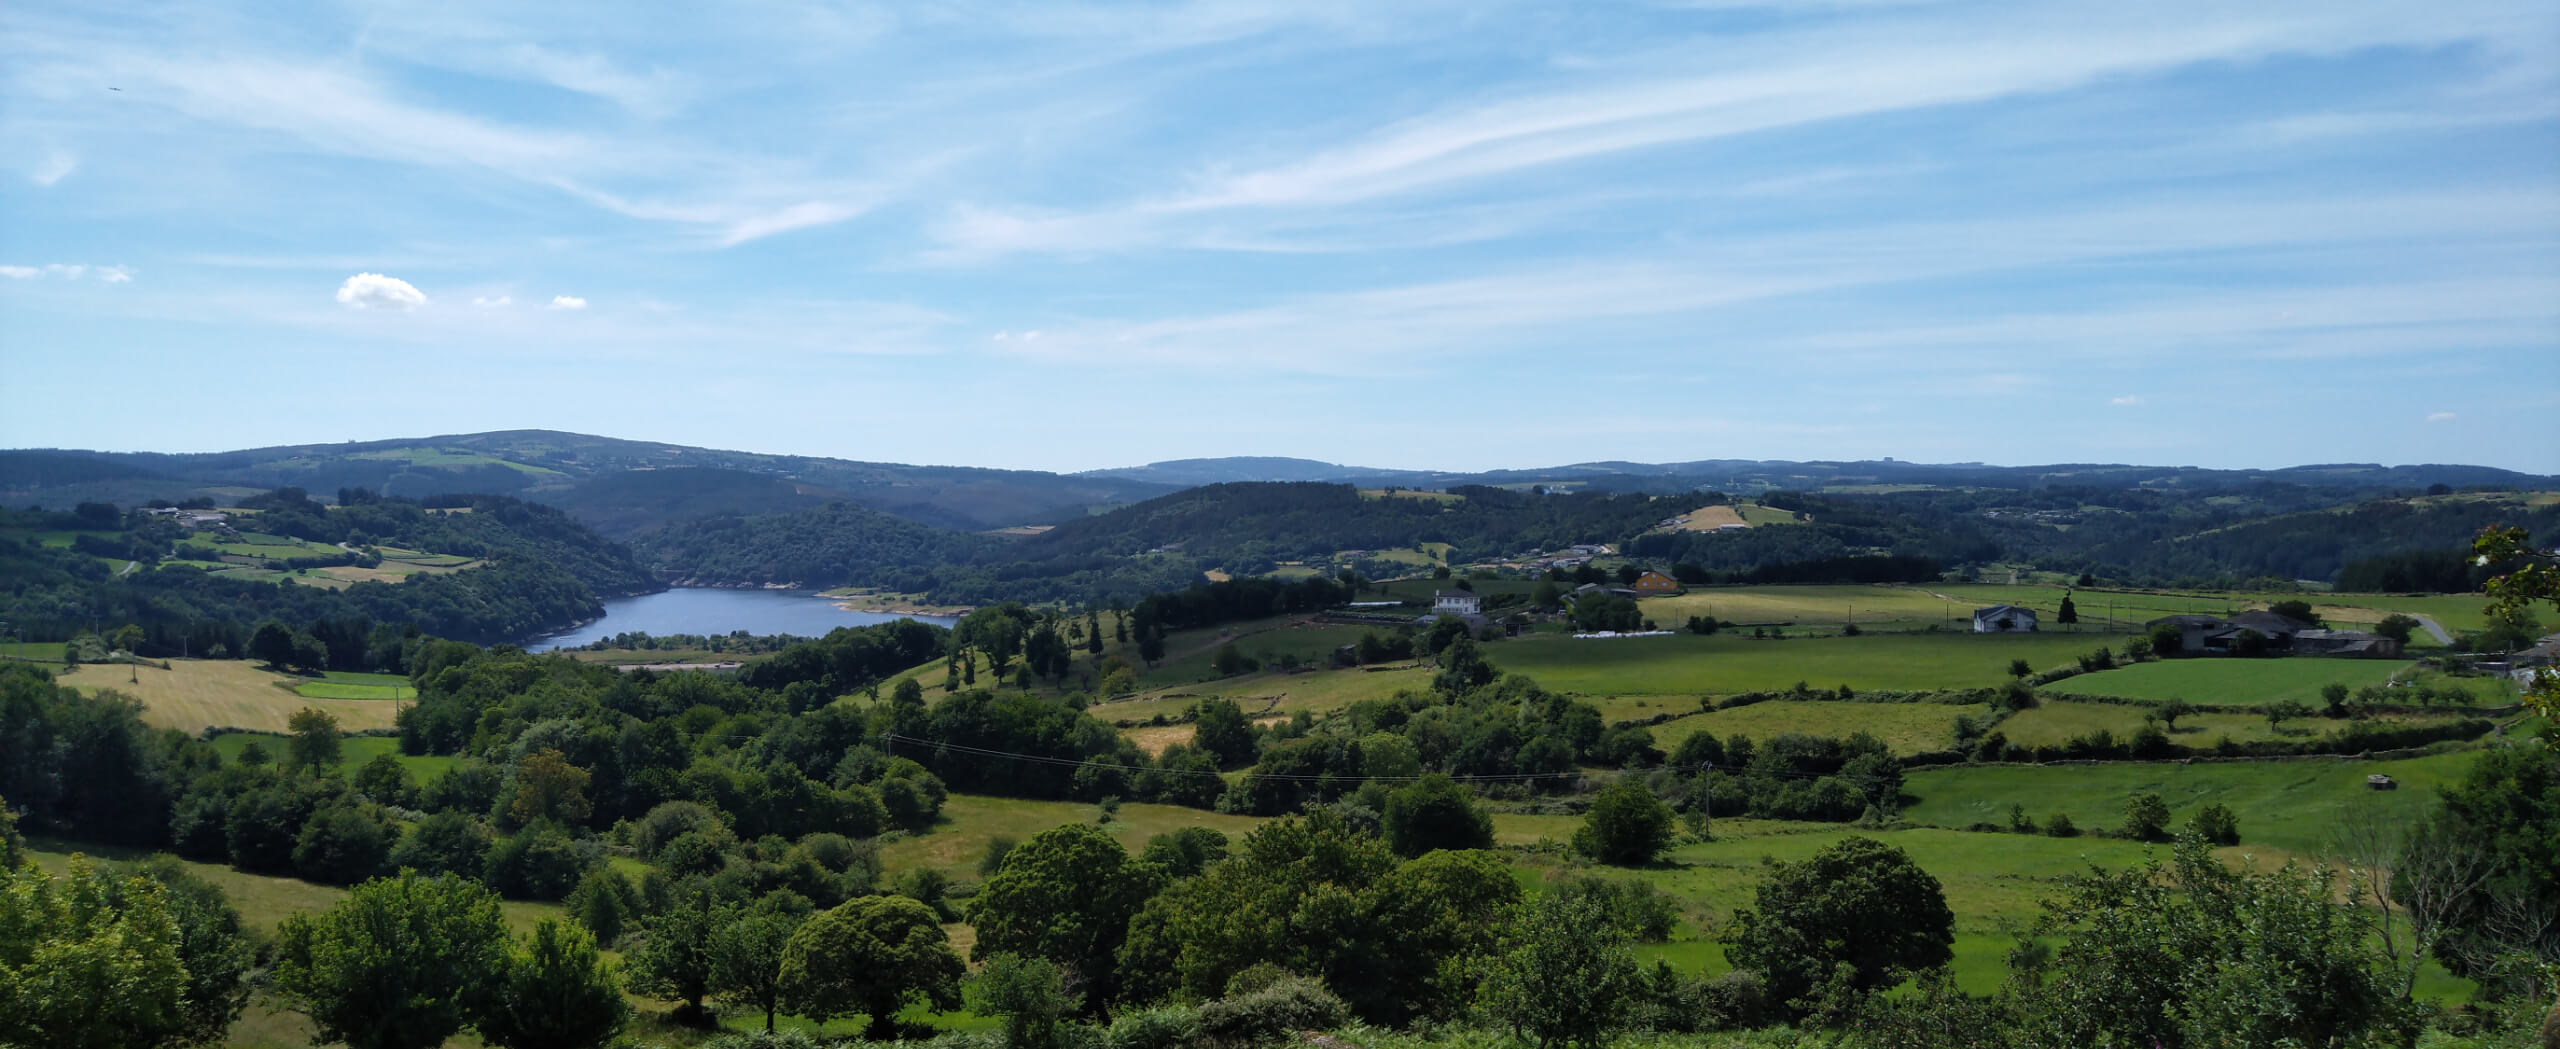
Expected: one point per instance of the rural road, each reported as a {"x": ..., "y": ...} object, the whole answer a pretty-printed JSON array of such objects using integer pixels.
[{"x": 2434, "y": 630}]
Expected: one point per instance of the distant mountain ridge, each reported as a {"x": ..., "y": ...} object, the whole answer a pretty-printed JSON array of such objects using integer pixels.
[
  {"x": 625, "y": 488},
  {"x": 1751, "y": 476}
]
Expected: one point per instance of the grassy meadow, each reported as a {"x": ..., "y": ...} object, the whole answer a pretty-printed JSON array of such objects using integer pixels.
[
  {"x": 2233, "y": 682},
  {"x": 2057, "y": 722},
  {"x": 194, "y": 694},
  {"x": 1726, "y": 663},
  {"x": 1906, "y": 727},
  {"x": 2291, "y": 806}
]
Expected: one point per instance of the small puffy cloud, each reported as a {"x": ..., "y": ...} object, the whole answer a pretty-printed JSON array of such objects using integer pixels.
[
  {"x": 66, "y": 270},
  {"x": 373, "y": 291},
  {"x": 568, "y": 302},
  {"x": 20, "y": 272},
  {"x": 115, "y": 274},
  {"x": 491, "y": 302},
  {"x": 2126, "y": 401},
  {"x": 2442, "y": 417}
]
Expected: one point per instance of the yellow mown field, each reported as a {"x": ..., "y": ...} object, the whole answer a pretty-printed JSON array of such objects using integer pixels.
[{"x": 194, "y": 693}]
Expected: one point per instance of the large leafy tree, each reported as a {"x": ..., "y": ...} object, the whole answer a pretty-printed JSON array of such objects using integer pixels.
[
  {"x": 871, "y": 955},
  {"x": 1626, "y": 826},
  {"x": 1563, "y": 974},
  {"x": 1860, "y": 903},
  {"x": 1066, "y": 895},
  {"x": 745, "y": 953},
  {"x": 673, "y": 958},
  {"x": 86, "y": 962},
  {"x": 1435, "y": 813},
  {"x": 217, "y": 957},
  {"x": 1289, "y": 897},
  {"x": 401, "y": 963},
  {"x": 2198, "y": 954},
  {"x": 314, "y": 742},
  {"x": 555, "y": 992}
]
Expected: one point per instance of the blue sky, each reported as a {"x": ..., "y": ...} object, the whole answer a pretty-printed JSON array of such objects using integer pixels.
[{"x": 1468, "y": 235}]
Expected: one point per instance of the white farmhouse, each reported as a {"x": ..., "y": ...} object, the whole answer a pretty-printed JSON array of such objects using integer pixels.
[{"x": 2003, "y": 619}]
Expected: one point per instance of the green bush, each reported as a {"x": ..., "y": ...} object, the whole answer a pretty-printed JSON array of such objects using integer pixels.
[
  {"x": 1165, "y": 1027},
  {"x": 1272, "y": 1013}
]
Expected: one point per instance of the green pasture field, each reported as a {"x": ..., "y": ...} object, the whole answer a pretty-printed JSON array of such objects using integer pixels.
[
  {"x": 340, "y": 684},
  {"x": 1825, "y": 607},
  {"x": 1265, "y": 640},
  {"x": 1722, "y": 664},
  {"x": 59, "y": 539},
  {"x": 2456, "y": 612},
  {"x": 1755, "y": 515},
  {"x": 276, "y": 547},
  {"x": 1320, "y": 692},
  {"x": 2057, "y": 722},
  {"x": 2289, "y": 806},
  {"x": 452, "y": 457},
  {"x": 959, "y": 841},
  {"x": 1908, "y": 728},
  {"x": 353, "y": 752},
  {"x": 32, "y": 651},
  {"x": 2232, "y": 682}
]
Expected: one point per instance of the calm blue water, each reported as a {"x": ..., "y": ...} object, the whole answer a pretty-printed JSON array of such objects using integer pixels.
[{"x": 701, "y": 610}]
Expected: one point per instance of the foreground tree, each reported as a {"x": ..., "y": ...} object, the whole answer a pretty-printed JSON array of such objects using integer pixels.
[
  {"x": 85, "y": 962},
  {"x": 871, "y": 955},
  {"x": 1066, "y": 896},
  {"x": 673, "y": 957},
  {"x": 746, "y": 958},
  {"x": 555, "y": 992},
  {"x": 401, "y": 963},
  {"x": 1030, "y": 993},
  {"x": 1860, "y": 904},
  {"x": 1562, "y": 975},
  {"x": 2198, "y": 954}
]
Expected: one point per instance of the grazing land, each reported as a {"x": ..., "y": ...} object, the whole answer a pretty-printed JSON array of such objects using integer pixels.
[
  {"x": 194, "y": 694},
  {"x": 2292, "y": 805},
  {"x": 1724, "y": 664},
  {"x": 353, "y": 752},
  {"x": 968, "y": 821},
  {"x": 2057, "y": 723},
  {"x": 1908, "y": 728},
  {"x": 2233, "y": 682}
]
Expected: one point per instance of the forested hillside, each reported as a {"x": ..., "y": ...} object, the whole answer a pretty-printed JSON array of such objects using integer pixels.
[{"x": 532, "y": 570}]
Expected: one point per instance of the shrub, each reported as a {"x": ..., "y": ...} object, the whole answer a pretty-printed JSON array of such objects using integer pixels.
[
  {"x": 1272, "y": 1013},
  {"x": 1165, "y": 1027},
  {"x": 2216, "y": 824},
  {"x": 2059, "y": 825}
]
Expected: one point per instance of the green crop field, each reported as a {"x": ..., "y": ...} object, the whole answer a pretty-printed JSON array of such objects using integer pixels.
[
  {"x": 955, "y": 845},
  {"x": 1906, "y": 727},
  {"x": 1722, "y": 664},
  {"x": 347, "y": 684},
  {"x": 353, "y": 752},
  {"x": 32, "y": 651},
  {"x": 1826, "y": 607},
  {"x": 2056, "y": 723},
  {"x": 2232, "y": 682},
  {"x": 2290, "y": 805}
]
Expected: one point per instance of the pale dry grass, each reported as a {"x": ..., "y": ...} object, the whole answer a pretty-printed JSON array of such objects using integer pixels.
[
  {"x": 1710, "y": 518},
  {"x": 195, "y": 693}
]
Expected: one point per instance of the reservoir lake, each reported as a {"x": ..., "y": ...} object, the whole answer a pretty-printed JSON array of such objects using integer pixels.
[{"x": 707, "y": 611}]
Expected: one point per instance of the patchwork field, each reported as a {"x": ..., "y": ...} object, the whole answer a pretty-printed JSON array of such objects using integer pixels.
[
  {"x": 1722, "y": 664},
  {"x": 2057, "y": 722},
  {"x": 2290, "y": 805},
  {"x": 194, "y": 694},
  {"x": 1908, "y": 728},
  {"x": 2233, "y": 682},
  {"x": 1823, "y": 607},
  {"x": 353, "y": 752}
]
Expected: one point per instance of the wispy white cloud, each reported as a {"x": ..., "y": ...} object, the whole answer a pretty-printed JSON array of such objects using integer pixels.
[
  {"x": 2126, "y": 401},
  {"x": 373, "y": 291},
  {"x": 2442, "y": 417},
  {"x": 491, "y": 302},
  {"x": 1785, "y": 80},
  {"x": 58, "y": 164},
  {"x": 69, "y": 271},
  {"x": 567, "y": 302}
]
